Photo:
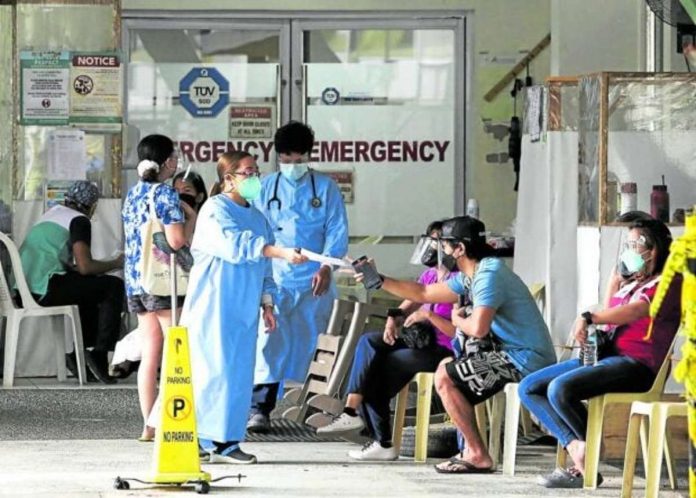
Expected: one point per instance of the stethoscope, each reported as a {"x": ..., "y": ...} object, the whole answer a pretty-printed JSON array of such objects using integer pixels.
[{"x": 316, "y": 201}]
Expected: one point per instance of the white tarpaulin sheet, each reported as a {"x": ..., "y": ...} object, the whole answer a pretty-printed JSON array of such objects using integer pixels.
[{"x": 545, "y": 229}]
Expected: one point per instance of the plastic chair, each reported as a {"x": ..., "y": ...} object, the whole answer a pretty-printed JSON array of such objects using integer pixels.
[
  {"x": 514, "y": 411},
  {"x": 657, "y": 413},
  {"x": 14, "y": 315},
  {"x": 507, "y": 402},
  {"x": 424, "y": 381},
  {"x": 595, "y": 419}
]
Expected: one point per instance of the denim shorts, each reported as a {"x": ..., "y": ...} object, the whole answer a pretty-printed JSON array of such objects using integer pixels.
[{"x": 144, "y": 303}]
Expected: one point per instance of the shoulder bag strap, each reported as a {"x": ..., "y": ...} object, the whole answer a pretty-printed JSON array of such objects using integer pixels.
[{"x": 151, "y": 200}]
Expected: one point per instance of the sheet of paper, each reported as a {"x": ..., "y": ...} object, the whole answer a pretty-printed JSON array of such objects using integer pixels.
[
  {"x": 67, "y": 155},
  {"x": 326, "y": 260}
]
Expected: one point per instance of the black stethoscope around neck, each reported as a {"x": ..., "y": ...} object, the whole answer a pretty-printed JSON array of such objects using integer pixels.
[{"x": 316, "y": 201}]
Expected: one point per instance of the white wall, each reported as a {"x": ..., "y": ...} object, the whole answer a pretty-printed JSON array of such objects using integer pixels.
[{"x": 597, "y": 35}]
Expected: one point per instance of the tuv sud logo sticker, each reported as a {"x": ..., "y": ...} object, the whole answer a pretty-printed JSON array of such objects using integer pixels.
[{"x": 204, "y": 92}]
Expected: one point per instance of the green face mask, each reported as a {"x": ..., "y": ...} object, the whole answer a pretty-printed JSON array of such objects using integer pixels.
[{"x": 250, "y": 188}]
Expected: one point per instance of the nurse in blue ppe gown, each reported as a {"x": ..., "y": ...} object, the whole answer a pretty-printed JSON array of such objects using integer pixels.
[
  {"x": 305, "y": 209},
  {"x": 231, "y": 280}
]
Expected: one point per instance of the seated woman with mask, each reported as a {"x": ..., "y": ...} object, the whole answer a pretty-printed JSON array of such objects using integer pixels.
[
  {"x": 385, "y": 362},
  {"x": 628, "y": 361}
]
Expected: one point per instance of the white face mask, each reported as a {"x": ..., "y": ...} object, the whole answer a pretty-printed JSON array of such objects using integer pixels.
[{"x": 294, "y": 171}]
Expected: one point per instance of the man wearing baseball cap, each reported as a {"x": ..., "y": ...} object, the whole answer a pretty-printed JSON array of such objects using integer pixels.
[
  {"x": 501, "y": 336},
  {"x": 59, "y": 268}
]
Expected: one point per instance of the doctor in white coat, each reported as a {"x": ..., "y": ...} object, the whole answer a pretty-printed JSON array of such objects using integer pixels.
[
  {"x": 230, "y": 281},
  {"x": 305, "y": 209}
]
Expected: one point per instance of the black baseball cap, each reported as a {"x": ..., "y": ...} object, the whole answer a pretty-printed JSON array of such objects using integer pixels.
[{"x": 469, "y": 230}]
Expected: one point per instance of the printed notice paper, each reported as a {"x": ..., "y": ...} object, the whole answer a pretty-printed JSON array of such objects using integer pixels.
[{"x": 44, "y": 87}]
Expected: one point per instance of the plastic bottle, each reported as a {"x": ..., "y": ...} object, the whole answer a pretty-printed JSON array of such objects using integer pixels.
[
  {"x": 629, "y": 201},
  {"x": 659, "y": 202},
  {"x": 472, "y": 208},
  {"x": 589, "y": 350}
]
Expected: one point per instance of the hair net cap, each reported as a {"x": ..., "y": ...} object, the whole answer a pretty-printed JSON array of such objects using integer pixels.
[{"x": 83, "y": 193}]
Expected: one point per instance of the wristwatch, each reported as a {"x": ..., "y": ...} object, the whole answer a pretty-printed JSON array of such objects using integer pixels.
[
  {"x": 587, "y": 316},
  {"x": 395, "y": 312}
]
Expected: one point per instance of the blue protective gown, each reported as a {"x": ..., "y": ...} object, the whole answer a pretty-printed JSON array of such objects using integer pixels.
[
  {"x": 221, "y": 312},
  {"x": 301, "y": 317}
]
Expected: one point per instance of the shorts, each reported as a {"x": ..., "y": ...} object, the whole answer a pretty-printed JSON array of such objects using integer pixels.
[
  {"x": 144, "y": 303},
  {"x": 481, "y": 375}
]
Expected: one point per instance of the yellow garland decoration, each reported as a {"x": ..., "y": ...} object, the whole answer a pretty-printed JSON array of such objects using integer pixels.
[{"x": 682, "y": 260}]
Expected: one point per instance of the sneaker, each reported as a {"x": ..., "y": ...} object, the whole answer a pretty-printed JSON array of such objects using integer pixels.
[
  {"x": 374, "y": 452},
  {"x": 566, "y": 479},
  {"x": 342, "y": 424},
  {"x": 234, "y": 455},
  {"x": 258, "y": 423}
]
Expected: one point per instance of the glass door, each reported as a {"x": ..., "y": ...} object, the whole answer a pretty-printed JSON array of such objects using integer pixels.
[
  {"x": 386, "y": 104},
  {"x": 385, "y": 98},
  {"x": 211, "y": 89}
]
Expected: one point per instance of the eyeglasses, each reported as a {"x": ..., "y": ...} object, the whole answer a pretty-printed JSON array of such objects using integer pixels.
[
  {"x": 300, "y": 160},
  {"x": 633, "y": 244},
  {"x": 247, "y": 173}
]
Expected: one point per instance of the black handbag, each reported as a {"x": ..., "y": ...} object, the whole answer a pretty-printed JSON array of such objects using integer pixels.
[{"x": 420, "y": 335}]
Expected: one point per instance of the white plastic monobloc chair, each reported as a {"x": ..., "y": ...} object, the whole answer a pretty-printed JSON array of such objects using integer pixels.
[{"x": 13, "y": 317}]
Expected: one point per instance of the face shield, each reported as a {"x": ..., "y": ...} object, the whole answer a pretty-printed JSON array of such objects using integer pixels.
[
  {"x": 182, "y": 163},
  {"x": 425, "y": 252},
  {"x": 631, "y": 259}
]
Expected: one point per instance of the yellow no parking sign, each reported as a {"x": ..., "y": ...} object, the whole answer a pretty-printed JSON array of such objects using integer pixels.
[{"x": 175, "y": 459}]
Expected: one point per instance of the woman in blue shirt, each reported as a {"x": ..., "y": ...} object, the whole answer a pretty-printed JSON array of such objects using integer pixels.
[{"x": 158, "y": 162}]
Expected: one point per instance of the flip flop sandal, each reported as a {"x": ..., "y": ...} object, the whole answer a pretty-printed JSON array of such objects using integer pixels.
[
  {"x": 144, "y": 439},
  {"x": 458, "y": 466}
]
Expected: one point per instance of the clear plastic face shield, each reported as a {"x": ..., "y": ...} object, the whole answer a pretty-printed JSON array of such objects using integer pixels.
[
  {"x": 633, "y": 255},
  {"x": 426, "y": 252},
  {"x": 182, "y": 163}
]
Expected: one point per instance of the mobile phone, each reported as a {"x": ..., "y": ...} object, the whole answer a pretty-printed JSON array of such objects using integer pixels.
[{"x": 371, "y": 279}]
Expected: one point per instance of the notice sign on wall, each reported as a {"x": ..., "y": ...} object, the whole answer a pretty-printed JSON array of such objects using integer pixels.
[
  {"x": 44, "y": 98},
  {"x": 344, "y": 179},
  {"x": 95, "y": 88},
  {"x": 251, "y": 121},
  {"x": 61, "y": 88}
]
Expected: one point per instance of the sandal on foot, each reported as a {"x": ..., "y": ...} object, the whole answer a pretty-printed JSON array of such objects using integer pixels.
[{"x": 456, "y": 465}]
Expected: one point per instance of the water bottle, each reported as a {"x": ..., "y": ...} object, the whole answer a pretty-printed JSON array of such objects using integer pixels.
[
  {"x": 589, "y": 350},
  {"x": 472, "y": 208}
]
